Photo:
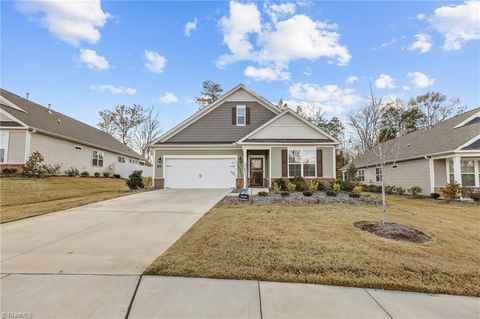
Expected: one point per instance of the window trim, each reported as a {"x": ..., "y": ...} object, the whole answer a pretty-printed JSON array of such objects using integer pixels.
[
  {"x": 5, "y": 153},
  {"x": 361, "y": 177},
  {"x": 244, "y": 108},
  {"x": 378, "y": 176},
  {"x": 301, "y": 149},
  {"x": 476, "y": 171},
  {"x": 99, "y": 153}
]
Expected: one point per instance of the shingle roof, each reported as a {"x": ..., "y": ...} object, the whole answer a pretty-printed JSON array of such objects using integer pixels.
[
  {"x": 58, "y": 124},
  {"x": 441, "y": 138}
]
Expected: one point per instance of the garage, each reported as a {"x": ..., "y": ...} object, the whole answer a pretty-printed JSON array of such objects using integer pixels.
[{"x": 200, "y": 171}]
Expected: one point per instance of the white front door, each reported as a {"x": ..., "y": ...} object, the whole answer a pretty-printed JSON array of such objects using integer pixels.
[{"x": 200, "y": 172}]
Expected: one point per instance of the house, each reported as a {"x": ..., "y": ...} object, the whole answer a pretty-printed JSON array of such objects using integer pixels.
[
  {"x": 242, "y": 140},
  {"x": 449, "y": 151},
  {"x": 26, "y": 127}
]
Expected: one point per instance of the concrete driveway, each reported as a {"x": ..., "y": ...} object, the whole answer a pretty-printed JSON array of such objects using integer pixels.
[{"x": 90, "y": 257}]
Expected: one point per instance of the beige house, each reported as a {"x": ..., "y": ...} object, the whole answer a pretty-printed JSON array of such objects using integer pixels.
[
  {"x": 449, "y": 151},
  {"x": 26, "y": 127},
  {"x": 242, "y": 140}
]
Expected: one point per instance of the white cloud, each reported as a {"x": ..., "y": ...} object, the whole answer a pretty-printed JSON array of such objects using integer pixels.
[
  {"x": 423, "y": 42},
  {"x": 112, "y": 89},
  {"x": 385, "y": 81},
  {"x": 155, "y": 62},
  {"x": 284, "y": 39},
  {"x": 266, "y": 74},
  {"x": 189, "y": 27},
  {"x": 420, "y": 80},
  {"x": 406, "y": 88},
  {"x": 329, "y": 97},
  {"x": 458, "y": 24},
  {"x": 420, "y": 16},
  {"x": 71, "y": 21},
  {"x": 351, "y": 79},
  {"x": 308, "y": 71},
  {"x": 93, "y": 61},
  {"x": 168, "y": 98}
]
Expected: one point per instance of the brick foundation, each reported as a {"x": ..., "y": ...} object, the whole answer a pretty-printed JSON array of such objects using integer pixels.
[
  {"x": 239, "y": 183},
  {"x": 159, "y": 183},
  {"x": 19, "y": 168}
]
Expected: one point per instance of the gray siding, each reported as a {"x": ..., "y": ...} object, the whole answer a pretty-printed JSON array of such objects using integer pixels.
[
  {"x": 217, "y": 125},
  {"x": 16, "y": 147},
  {"x": 440, "y": 170}
]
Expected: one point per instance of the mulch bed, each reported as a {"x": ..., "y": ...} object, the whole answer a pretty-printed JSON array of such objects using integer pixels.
[
  {"x": 297, "y": 198},
  {"x": 393, "y": 231}
]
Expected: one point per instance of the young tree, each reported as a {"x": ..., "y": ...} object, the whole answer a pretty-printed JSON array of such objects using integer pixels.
[
  {"x": 146, "y": 133},
  {"x": 436, "y": 108},
  {"x": 121, "y": 121},
  {"x": 210, "y": 92},
  {"x": 399, "y": 119}
]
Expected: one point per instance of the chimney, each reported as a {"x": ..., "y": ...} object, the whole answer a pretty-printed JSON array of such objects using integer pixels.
[{"x": 27, "y": 94}]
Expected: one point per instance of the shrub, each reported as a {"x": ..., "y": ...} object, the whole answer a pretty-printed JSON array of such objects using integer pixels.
[
  {"x": 475, "y": 197},
  {"x": 96, "y": 174},
  {"x": 331, "y": 193},
  {"x": 33, "y": 166},
  {"x": 389, "y": 189},
  {"x": 321, "y": 186},
  {"x": 300, "y": 183},
  {"x": 84, "y": 174},
  {"x": 106, "y": 174},
  {"x": 434, "y": 195},
  {"x": 116, "y": 176},
  {"x": 415, "y": 190},
  {"x": 281, "y": 183},
  {"x": 336, "y": 187},
  {"x": 307, "y": 194},
  {"x": 400, "y": 190},
  {"x": 291, "y": 187},
  {"x": 51, "y": 169},
  {"x": 354, "y": 195},
  {"x": 283, "y": 194},
  {"x": 263, "y": 194},
  {"x": 277, "y": 186},
  {"x": 452, "y": 191},
  {"x": 72, "y": 172},
  {"x": 345, "y": 186},
  {"x": 147, "y": 181},
  {"x": 357, "y": 190},
  {"x": 135, "y": 180},
  {"x": 9, "y": 171},
  {"x": 313, "y": 185},
  {"x": 352, "y": 172}
]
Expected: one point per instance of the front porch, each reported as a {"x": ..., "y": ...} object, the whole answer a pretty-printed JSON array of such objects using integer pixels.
[
  {"x": 462, "y": 169},
  {"x": 256, "y": 167}
]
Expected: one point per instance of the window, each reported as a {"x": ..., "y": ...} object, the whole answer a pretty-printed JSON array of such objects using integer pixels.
[
  {"x": 97, "y": 158},
  {"x": 3, "y": 146},
  {"x": 77, "y": 147},
  {"x": 378, "y": 174},
  {"x": 468, "y": 172},
  {"x": 241, "y": 115},
  {"x": 361, "y": 175},
  {"x": 302, "y": 163},
  {"x": 450, "y": 171},
  {"x": 121, "y": 159}
]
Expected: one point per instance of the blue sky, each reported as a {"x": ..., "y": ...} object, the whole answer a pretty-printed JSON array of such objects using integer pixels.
[{"x": 86, "y": 57}]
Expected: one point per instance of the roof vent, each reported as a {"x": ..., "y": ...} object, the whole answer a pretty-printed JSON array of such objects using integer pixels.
[
  {"x": 49, "y": 108},
  {"x": 58, "y": 121},
  {"x": 27, "y": 95}
]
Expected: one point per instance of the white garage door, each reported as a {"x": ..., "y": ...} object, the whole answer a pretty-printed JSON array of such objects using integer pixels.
[{"x": 200, "y": 172}]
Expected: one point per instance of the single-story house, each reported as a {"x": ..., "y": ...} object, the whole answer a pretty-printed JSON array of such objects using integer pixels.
[
  {"x": 430, "y": 159},
  {"x": 240, "y": 140},
  {"x": 26, "y": 127}
]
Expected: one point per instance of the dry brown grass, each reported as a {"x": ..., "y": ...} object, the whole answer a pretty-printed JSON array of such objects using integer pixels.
[
  {"x": 27, "y": 197},
  {"x": 319, "y": 244}
]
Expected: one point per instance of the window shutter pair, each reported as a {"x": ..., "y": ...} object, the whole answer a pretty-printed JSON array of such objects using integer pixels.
[{"x": 234, "y": 115}]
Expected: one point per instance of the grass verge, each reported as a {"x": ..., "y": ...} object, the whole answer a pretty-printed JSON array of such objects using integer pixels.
[{"x": 319, "y": 244}]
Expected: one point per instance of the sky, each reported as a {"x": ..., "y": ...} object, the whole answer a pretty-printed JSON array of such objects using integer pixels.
[{"x": 86, "y": 56}]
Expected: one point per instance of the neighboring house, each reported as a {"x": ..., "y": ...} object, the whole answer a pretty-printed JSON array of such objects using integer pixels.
[
  {"x": 242, "y": 139},
  {"x": 26, "y": 127},
  {"x": 449, "y": 151}
]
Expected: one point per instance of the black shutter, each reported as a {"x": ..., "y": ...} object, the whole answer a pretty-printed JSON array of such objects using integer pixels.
[
  {"x": 319, "y": 163},
  {"x": 234, "y": 116},
  {"x": 284, "y": 164},
  {"x": 247, "y": 115}
]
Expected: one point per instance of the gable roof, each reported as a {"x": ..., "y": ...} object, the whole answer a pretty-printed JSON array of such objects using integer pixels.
[
  {"x": 251, "y": 136},
  {"x": 198, "y": 115},
  {"x": 444, "y": 137},
  {"x": 53, "y": 123}
]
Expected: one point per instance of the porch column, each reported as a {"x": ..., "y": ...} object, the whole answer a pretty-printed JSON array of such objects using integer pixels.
[
  {"x": 244, "y": 156},
  {"x": 270, "y": 167},
  {"x": 457, "y": 171},
  {"x": 432, "y": 175}
]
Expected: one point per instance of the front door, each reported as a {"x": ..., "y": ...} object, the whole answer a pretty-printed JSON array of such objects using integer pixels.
[{"x": 256, "y": 171}]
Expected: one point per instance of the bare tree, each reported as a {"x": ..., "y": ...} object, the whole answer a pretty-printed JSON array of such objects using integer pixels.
[
  {"x": 145, "y": 133},
  {"x": 365, "y": 122},
  {"x": 121, "y": 121},
  {"x": 210, "y": 92},
  {"x": 436, "y": 108}
]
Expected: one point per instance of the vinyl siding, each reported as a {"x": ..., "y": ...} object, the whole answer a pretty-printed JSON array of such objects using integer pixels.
[
  {"x": 58, "y": 151},
  {"x": 16, "y": 147},
  {"x": 327, "y": 161},
  {"x": 217, "y": 125},
  {"x": 162, "y": 153},
  {"x": 440, "y": 170},
  {"x": 406, "y": 175}
]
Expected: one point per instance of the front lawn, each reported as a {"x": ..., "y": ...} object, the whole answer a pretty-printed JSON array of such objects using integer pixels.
[
  {"x": 26, "y": 197},
  {"x": 319, "y": 244}
]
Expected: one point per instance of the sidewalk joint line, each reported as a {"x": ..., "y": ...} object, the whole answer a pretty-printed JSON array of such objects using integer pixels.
[
  {"x": 378, "y": 303},
  {"x": 260, "y": 299},
  {"x": 133, "y": 297}
]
